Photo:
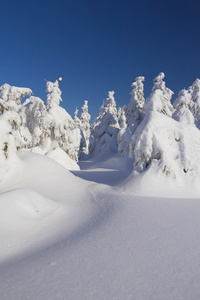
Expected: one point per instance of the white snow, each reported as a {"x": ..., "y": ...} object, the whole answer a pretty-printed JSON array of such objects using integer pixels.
[
  {"x": 63, "y": 159},
  {"x": 109, "y": 226},
  {"x": 63, "y": 237}
]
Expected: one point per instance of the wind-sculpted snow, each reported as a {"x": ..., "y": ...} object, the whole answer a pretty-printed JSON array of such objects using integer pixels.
[
  {"x": 63, "y": 159},
  {"x": 41, "y": 202},
  {"x": 84, "y": 240}
]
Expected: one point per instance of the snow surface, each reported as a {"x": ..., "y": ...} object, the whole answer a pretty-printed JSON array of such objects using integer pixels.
[
  {"x": 63, "y": 159},
  {"x": 90, "y": 236}
]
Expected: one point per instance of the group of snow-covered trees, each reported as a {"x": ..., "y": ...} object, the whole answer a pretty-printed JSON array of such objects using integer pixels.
[{"x": 41, "y": 128}]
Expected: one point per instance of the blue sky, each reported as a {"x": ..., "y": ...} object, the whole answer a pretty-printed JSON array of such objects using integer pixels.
[{"x": 97, "y": 46}]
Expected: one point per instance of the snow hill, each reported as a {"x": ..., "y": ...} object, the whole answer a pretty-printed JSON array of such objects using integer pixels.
[{"x": 66, "y": 236}]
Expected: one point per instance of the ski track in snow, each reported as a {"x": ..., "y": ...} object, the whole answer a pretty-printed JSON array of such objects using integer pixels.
[{"x": 106, "y": 244}]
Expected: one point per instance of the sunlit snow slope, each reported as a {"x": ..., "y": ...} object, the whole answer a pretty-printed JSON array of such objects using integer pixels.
[{"x": 86, "y": 240}]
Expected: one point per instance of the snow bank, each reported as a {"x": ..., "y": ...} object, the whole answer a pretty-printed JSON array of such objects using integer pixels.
[
  {"x": 63, "y": 159},
  {"x": 39, "y": 204},
  {"x": 24, "y": 215}
]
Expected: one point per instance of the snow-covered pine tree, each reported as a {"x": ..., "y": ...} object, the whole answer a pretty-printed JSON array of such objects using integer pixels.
[
  {"x": 182, "y": 106},
  {"x": 10, "y": 103},
  {"x": 98, "y": 119},
  {"x": 11, "y": 96},
  {"x": 85, "y": 127},
  {"x": 76, "y": 119},
  {"x": 124, "y": 135},
  {"x": 134, "y": 110},
  {"x": 159, "y": 99},
  {"x": 120, "y": 111},
  {"x": 63, "y": 132},
  {"x": 106, "y": 127},
  {"x": 194, "y": 91},
  {"x": 33, "y": 114},
  {"x": 107, "y": 117},
  {"x": 53, "y": 93}
]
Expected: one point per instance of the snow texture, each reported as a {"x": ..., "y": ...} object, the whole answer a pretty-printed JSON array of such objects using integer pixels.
[{"x": 69, "y": 238}]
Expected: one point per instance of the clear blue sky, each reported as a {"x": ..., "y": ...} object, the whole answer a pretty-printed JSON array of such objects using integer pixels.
[{"x": 98, "y": 46}]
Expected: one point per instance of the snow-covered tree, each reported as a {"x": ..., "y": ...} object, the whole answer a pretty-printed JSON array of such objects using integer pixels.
[
  {"x": 120, "y": 111},
  {"x": 182, "y": 106},
  {"x": 106, "y": 127},
  {"x": 53, "y": 93},
  {"x": 134, "y": 110},
  {"x": 10, "y": 103},
  {"x": 11, "y": 138},
  {"x": 11, "y": 96},
  {"x": 8, "y": 153},
  {"x": 107, "y": 118},
  {"x": 162, "y": 146},
  {"x": 76, "y": 118},
  {"x": 98, "y": 119},
  {"x": 63, "y": 131},
  {"x": 34, "y": 117},
  {"x": 159, "y": 99},
  {"x": 85, "y": 127},
  {"x": 194, "y": 90},
  {"x": 124, "y": 136},
  {"x": 7, "y": 140}
]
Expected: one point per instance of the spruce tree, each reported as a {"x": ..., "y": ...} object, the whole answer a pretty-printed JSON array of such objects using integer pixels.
[
  {"x": 134, "y": 110},
  {"x": 194, "y": 90},
  {"x": 106, "y": 127},
  {"x": 85, "y": 127},
  {"x": 63, "y": 131},
  {"x": 124, "y": 136},
  {"x": 182, "y": 106},
  {"x": 10, "y": 104},
  {"x": 34, "y": 117},
  {"x": 159, "y": 99}
]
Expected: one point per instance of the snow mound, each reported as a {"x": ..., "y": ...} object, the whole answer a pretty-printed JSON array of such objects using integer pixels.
[
  {"x": 63, "y": 159},
  {"x": 167, "y": 151},
  {"x": 24, "y": 216},
  {"x": 40, "y": 203},
  {"x": 25, "y": 202}
]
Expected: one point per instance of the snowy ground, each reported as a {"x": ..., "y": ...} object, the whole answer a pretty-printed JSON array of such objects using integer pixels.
[{"x": 81, "y": 235}]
